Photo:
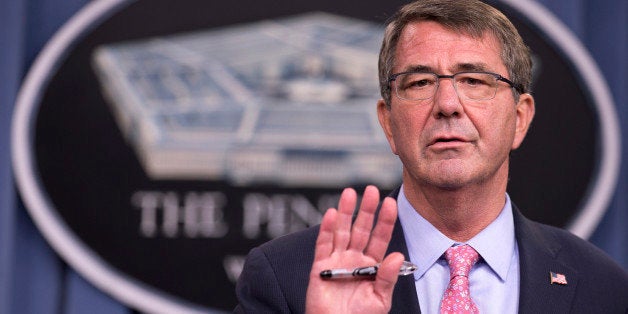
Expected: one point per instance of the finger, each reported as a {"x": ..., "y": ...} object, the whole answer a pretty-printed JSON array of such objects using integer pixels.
[
  {"x": 342, "y": 230},
  {"x": 387, "y": 276},
  {"x": 380, "y": 237},
  {"x": 361, "y": 230},
  {"x": 325, "y": 239}
]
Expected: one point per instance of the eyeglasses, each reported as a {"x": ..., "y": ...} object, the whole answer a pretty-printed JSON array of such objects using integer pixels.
[{"x": 470, "y": 85}]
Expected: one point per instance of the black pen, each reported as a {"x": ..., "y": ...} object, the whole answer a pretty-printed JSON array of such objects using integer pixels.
[{"x": 407, "y": 268}]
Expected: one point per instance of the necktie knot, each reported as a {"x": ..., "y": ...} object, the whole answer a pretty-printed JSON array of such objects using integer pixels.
[{"x": 460, "y": 259}]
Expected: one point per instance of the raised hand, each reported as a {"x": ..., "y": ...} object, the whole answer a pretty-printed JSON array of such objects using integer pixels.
[{"x": 343, "y": 245}]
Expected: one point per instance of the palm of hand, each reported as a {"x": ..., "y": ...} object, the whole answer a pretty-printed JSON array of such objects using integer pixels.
[{"x": 341, "y": 244}]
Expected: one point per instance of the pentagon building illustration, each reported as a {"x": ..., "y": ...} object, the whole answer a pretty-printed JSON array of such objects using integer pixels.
[{"x": 289, "y": 102}]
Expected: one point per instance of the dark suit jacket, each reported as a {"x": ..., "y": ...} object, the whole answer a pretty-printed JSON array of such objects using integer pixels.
[{"x": 275, "y": 275}]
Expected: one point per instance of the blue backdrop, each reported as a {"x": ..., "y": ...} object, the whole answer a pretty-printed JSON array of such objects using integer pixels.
[{"x": 33, "y": 279}]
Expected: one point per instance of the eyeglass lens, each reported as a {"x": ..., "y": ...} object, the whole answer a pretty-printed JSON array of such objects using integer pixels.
[{"x": 470, "y": 85}]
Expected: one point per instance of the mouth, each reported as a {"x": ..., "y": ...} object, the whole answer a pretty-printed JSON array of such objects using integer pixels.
[{"x": 447, "y": 140}]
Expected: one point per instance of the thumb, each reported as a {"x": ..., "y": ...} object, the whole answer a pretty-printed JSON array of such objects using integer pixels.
[{"x": 387, "y": 276}]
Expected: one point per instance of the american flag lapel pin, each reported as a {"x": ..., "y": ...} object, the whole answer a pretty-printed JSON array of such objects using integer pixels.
[{"x": 556, "y": 278}]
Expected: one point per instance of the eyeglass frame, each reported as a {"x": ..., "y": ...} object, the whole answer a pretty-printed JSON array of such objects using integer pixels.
[{"x": 518, "y": 87}]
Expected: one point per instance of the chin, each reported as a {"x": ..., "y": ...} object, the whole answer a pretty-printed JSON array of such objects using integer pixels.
[
  {"x": 451, "y": 178},
  {"x": 450, "y": 185}
]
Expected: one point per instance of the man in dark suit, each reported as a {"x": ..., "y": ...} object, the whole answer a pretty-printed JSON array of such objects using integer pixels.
[{"x": 455, "y": 79}]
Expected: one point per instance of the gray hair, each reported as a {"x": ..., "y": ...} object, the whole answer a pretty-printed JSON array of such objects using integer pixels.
[{"x": 471, "y": 17}]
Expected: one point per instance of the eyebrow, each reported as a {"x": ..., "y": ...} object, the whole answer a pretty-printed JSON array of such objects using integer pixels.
[
  {"x": 472, "y": 67},
  {"x": 460, "y": 67},
  {"x": 418, "y": 68}
]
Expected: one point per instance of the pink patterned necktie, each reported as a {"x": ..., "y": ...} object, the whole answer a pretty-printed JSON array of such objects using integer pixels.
[{"x": 457, "y": 298}]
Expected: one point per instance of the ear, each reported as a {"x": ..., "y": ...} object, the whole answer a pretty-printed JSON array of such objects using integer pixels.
[
  {"x": 525, "y": 112},
  {"x": 384, "y": 116}
]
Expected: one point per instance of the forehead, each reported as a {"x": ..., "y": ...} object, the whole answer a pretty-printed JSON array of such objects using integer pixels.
[{"x": 431, "y": 46}]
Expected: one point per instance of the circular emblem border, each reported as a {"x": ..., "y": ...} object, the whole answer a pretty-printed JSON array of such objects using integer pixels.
[
  {"x": 149, "y": 299},
  {"x": 600, "y": 191}
]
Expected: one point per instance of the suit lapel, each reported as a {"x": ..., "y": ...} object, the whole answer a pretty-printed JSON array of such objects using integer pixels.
[
  {"x": 404, "y": 297},
  {"x": 538, "y": 252}
]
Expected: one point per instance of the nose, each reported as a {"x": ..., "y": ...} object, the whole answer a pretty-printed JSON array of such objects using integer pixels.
[{"x": 446, "y": 100}]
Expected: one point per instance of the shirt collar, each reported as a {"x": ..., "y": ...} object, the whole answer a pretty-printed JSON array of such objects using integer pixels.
[
  {"x": 496, "y": 243},
  {"x": 426, "y": 244}
]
